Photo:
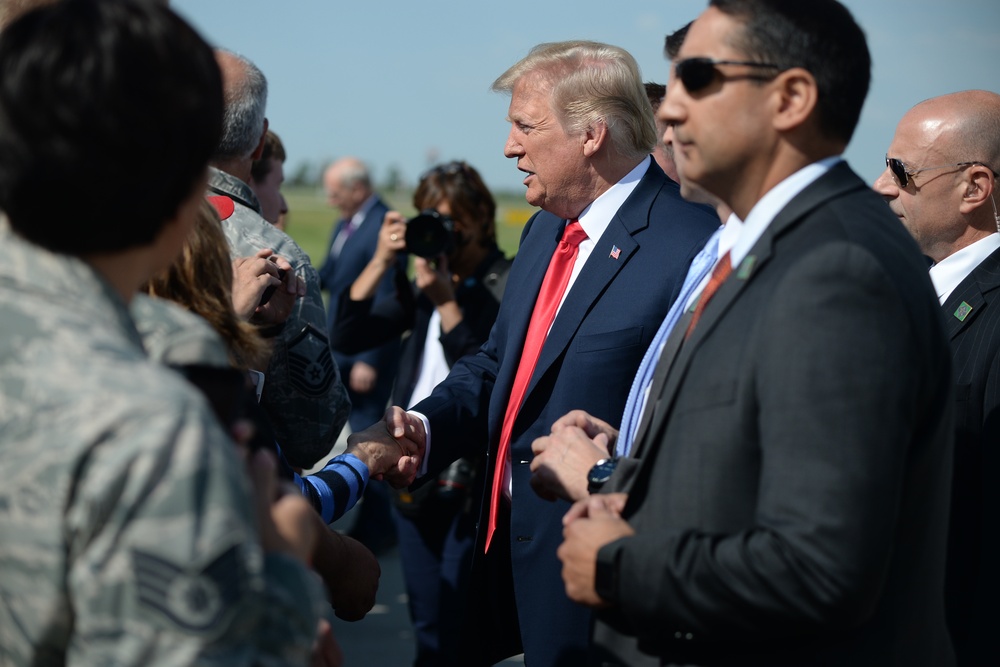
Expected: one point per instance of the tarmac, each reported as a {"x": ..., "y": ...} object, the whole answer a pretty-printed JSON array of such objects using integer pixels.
[{"x": 384, "y": 638}]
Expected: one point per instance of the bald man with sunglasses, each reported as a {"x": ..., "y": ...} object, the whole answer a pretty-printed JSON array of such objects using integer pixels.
[{"x": 941, "y": 181}]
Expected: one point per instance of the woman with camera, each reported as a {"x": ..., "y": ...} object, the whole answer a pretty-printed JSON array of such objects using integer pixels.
[{"x": 459, "y": 276}]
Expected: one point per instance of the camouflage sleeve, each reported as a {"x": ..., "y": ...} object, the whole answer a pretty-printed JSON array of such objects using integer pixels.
[
  {"x": 164, "y": 562},
  {"x": 303, "y": 395}
]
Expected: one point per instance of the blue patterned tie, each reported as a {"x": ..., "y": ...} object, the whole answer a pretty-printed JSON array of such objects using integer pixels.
[{"x": 700, "y": 267}]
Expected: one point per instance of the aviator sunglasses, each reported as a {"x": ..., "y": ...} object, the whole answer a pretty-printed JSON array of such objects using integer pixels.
[
  {"x": 903, "y": 174},
  {"x": 698, "y": 73}
]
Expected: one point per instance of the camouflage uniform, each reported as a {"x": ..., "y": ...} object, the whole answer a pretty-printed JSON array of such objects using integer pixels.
[
  {"x": 303, "y": 394},
  {"x": 174, "y": 336},
  {"x": 126, "y": 529}
]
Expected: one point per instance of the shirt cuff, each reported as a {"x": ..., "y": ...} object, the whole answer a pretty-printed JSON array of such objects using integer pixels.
[{"x": 427, "y": 442}]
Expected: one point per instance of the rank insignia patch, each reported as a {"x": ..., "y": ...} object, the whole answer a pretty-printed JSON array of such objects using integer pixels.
[
  {"x": 191, "y": 598},
  {"x": 310, "y": 362}
]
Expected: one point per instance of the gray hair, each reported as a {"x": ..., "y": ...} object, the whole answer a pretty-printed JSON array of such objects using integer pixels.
[
  {"x": 243, "y": 115},
  {"x": 591, "y": 82}
]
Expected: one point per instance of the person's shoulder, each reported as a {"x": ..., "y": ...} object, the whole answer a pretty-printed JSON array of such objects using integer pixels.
[
  {"x": 173, "y": 335},
  {"x": 247, "y": 232}
]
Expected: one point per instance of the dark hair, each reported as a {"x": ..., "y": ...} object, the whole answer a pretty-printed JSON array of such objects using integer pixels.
[
  {"x": 673, "y": 42},
  {"x": 273, "y": 150},
  {"x": 462, "y": 187},
  {"x": 655, "y": 92},
  {"x": 109, "y": 111},
  {"x": 820, "y": 36},
  {"x": 201, "y": 280}
]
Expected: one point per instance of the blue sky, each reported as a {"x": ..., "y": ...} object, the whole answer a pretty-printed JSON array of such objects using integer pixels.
[{"x": 401, "y": 84}]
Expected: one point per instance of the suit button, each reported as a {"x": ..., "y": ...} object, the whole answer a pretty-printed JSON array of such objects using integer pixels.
[
  {"x": 689, "y": 636},
  {"x": 524, "y": 538},
  {"x": 678, "y": 635}
]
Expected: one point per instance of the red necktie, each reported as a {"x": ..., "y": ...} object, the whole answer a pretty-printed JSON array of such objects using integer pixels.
[
  {"x": 719, "y": 274},
  {"x": 546, "y": 305}
]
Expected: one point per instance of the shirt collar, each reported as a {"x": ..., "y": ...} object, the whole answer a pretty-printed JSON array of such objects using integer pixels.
[
  {"x": 597, "y": 216},
  {"x": 765, "y": 210},
  {"x": 222, "y": 183},
  {"x": 359, "y": 217},
  {"x": 953, "y": 269}
]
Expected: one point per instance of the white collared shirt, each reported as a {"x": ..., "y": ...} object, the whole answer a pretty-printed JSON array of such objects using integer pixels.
[
  {"x": 953, "y": 269},
  {"x": 739, "y": 236},
  {"x": 352, "y": 226},
  {"x": 595, "y": 219}
]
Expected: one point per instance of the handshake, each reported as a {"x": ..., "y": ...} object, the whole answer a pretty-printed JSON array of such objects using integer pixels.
[{"x": 393, "y": 448}]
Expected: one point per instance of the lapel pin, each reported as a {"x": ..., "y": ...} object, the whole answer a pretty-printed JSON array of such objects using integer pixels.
[
  {"x": 615, "y": 252},
  {"x": 963, "y": 311},
  {"x": 746, "y": 267}
]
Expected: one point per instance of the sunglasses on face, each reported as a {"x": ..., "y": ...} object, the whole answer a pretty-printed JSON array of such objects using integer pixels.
[
  {"x": 698, "y": 73},
  {"x": 903, "y": 174}
]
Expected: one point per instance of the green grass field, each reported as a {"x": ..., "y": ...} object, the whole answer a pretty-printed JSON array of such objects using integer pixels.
[{"x": 311, "y": 219}]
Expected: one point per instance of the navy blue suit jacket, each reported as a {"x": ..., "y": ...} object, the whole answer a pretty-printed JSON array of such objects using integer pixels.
[
  {"x": 336, "y": 276},
  {"x": 589, "y": 359}
]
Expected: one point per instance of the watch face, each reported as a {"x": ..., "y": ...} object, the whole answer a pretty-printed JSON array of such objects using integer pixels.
[{"x": 602, "y": 470}]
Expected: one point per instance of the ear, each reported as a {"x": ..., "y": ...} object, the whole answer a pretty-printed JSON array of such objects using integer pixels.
[
  {"x": 979, "y": 184},
  {"x": 257, "y": 152},
  {"x": 797, "y": 96},
  {"x": 594, "y": 137}
]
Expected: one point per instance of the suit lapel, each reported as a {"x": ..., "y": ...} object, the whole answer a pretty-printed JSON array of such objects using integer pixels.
[
  {"x": 838, "y": 180},
  {"x": 600, "y": 270},
  {"x": 524, "y": 283},
  {"x": 967, "y": 300}
]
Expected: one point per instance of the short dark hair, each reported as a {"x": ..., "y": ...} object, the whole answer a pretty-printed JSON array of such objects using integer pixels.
[
  {"x": 273, "y": 150},
  {"x": 109, "y": 111},
  {"x": 655, "y": 92},
  {"x": 820, "y": 36},
  {"x": 675, "y": 40}
]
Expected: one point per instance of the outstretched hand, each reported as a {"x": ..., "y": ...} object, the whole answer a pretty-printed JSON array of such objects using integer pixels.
[{"x": 392, "y": 448}]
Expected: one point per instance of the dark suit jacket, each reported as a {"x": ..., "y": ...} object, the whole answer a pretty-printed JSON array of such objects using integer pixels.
[
  {"x": 970, "y": 587},
  {"x": 361, "y": 323},
  {"x": 336, "y": 276},
  {"x": 791, "y": 481},
  {"x": 590, "y": 356}
]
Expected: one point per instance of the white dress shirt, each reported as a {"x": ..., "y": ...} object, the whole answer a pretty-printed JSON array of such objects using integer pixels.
[{"x": 953, "y": 269}]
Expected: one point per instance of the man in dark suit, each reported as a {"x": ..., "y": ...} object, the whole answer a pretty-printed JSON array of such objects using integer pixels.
[
  {"x": 940, "y": 182},
  {"x": 785, "y": 500},
  {"x": 585, "y": 148},
  {"x": 370, "y": 373}
]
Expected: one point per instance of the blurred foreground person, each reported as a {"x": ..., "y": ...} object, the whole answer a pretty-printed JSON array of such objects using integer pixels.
[
  {"x": 129, "y": 533},
  {"x": 941, "y": 181}
]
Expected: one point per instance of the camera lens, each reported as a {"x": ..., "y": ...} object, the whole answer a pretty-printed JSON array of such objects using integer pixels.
[{"x": 428, "y": 234}]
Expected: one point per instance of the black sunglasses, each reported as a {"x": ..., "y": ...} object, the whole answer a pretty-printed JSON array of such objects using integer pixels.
[
  {"x": 697, "y": 73},
  {"x": 903, "y": 174}
]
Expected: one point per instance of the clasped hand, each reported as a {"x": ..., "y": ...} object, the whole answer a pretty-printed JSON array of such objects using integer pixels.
[{"x": 392, "y": 448}]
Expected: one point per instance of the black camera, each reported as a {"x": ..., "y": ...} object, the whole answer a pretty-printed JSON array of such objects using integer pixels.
[
  {"x": 269, "y": 290},
  {"x": 429, "y": 234}
]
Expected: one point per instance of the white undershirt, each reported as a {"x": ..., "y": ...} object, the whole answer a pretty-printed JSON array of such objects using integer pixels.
[{"x": 433, "y": 364}]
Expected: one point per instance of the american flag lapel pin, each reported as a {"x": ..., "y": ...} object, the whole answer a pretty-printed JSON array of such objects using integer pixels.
[{"x": 615, "y": 252}]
